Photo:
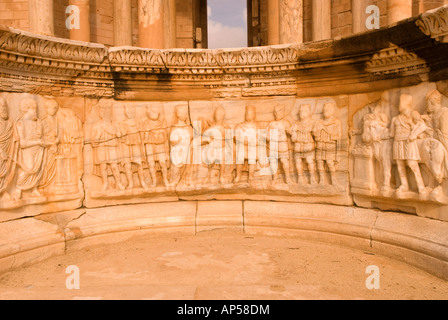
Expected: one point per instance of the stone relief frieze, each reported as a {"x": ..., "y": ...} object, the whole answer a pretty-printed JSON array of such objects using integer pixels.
[
  {"x": 223, "y": 147},
  {"x": 399, "y": 149},
  {"x": 40, "y": 152}
]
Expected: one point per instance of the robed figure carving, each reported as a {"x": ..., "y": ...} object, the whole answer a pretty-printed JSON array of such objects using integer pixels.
[
  {"x": 8, "y": 150},
  {"x": 31, "y": 151}
]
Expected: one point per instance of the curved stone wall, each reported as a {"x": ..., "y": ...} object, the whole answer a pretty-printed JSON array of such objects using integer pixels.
[{"x": 307, "y": 135}]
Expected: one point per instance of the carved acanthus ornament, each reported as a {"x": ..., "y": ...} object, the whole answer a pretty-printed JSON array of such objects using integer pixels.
[{"x": 435, "y": 24}]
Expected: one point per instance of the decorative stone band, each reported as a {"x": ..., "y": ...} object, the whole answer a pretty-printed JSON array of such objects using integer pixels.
[
  {"x": 434, "y": 23},
  {"x": 418, "y": 241}
]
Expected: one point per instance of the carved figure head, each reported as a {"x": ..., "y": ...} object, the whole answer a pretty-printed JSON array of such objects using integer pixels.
[
  {"x": 51, "y": 107},
  {"x": 130, "y": 111},
  {"x": 279, "y": 112},
  {"x": 406, "y": 105},
  {"x": 329, "y": 110},
  {"x": 153, "y": 113},
  {"x": 105, "y": 111},
  {"x": 304, "y": 112},
  {"x": 219, "y": 114},
  {"x": 3, "y": 109},
  {"x": 28, "y": 109},
  {"x": 181, "y": 114},
  {"x": 433, "y": 101},
  {"x": 250, "y": 113}
]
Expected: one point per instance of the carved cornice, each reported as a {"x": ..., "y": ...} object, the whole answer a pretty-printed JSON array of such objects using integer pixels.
[
  {"x": 46, "y": 54},
  {"x": 435, "y": 24},
  {"x": 396, "y": 61}
]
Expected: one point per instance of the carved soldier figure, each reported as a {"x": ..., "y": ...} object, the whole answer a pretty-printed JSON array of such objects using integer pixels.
[
  {"x": 181, "y": 137},
  {"x": 246, "y": 137},
  {"x": 155, "y": 139},
  {"x": 405, "y": 148},
  {"x": 105, "y": 148},
  {"x": 52, "y": 133},
  {"x": 132, "y": 147},
  {"x": 281, "y": 130},
  {"x": 376, "y": 134},
  {"x": 304, "y": 145},
  {"x": 8, "y": 150},
  {"x": 328, "y": 135},
  {"x": 217, "y": 145},
  {"x": 439, "y": 115},
  {"x": 31, "y": 151}
]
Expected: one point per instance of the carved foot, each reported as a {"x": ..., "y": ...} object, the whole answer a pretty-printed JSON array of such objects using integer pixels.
[
  {"x": 437, "y": 192},
  {"x": 403, "y": 188},
  {"x": 17, "y": 195},
  {"x": 386, "y": 191},
  {"x": 121, "y": 186},
  {"x": 424, "y": 191},
  {"x": 36, "y": 193},
  {"x": 105, "y": 187}
]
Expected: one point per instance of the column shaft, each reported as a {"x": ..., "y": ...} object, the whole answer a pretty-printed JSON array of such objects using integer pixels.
[
  {"x": 83, "y": 33},
  {"x": 359, "y": 15},
  {"x": 122, "y": 23},
  {"x": 321, "y": 19},
  {"x": 151, "y": 26},
  {"x": 291, "y": 21},
  {"x": 398, "y": 10},
  {"x": 41, "y": 17},
  {"x": 273, "y": 22}
]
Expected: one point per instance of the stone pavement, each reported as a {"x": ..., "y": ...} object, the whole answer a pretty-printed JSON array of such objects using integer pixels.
[{"x": 217, "y": 265}]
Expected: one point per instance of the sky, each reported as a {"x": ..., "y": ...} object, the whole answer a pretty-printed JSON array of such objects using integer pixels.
[{"x": 227, "y": 24}]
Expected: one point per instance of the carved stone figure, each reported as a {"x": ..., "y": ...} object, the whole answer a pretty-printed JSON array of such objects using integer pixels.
[
  {"x": 439, "y": 121},
  {"x": 304, "y": 145},
  {"x": 71, "y": 138},
  {"x": 31, "y": 151},
  {"x": 8, "y": 150},
  {"x": 217, "y": 145},
  {"x": 278, "y": 132},
  {"x": 376, "y": 135},
  {"x": 439, "y": 116},
  {"x": 328, "y": 135},
  {"x": 181, "y": 137},
  {"x": 105, "y": 148},
  {"x": 405, "y": 148},
  {"x": 52, "y": 133},
  {"x": 132, "y": 147},
  {"x": 155, "y": 139},
  {"x": 246, "y": 137}
]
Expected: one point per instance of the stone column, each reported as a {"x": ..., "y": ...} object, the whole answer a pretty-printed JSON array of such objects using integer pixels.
[
  {"x": 150, "y": 20},
  {"x": 398, "y": 10},
  {"x": 41, "y": 18},
  {"x": 83, "y": 33},
  {"x": 321, "y": 19},
  {"x": 291, "y": 21},
  {"x": 169, "y": 23},
  {"x": 273, "y": 22},
  {"x": 359, "y": 15},
  {"x": 122, "y": 23}
]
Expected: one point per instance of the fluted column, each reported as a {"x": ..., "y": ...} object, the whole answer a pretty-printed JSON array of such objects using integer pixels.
[
  {"x": 41, "y": 17},
  {"x": 398, "y": 10},
  {"x": 83, "y": 33},
  {"x": 273, "y": 22},
  {"x": 321, "y": 19},
  {"x": 150, "y": 20},
  {"x": 122, "y": 23},
  {"x": 169, "y": 23},
  {"x": 359, "y": 14},
  {"x": 291, "y": 21}
]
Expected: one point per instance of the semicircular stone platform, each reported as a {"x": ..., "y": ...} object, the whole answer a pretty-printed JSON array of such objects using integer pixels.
[{"x": 343, "y": 141}]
